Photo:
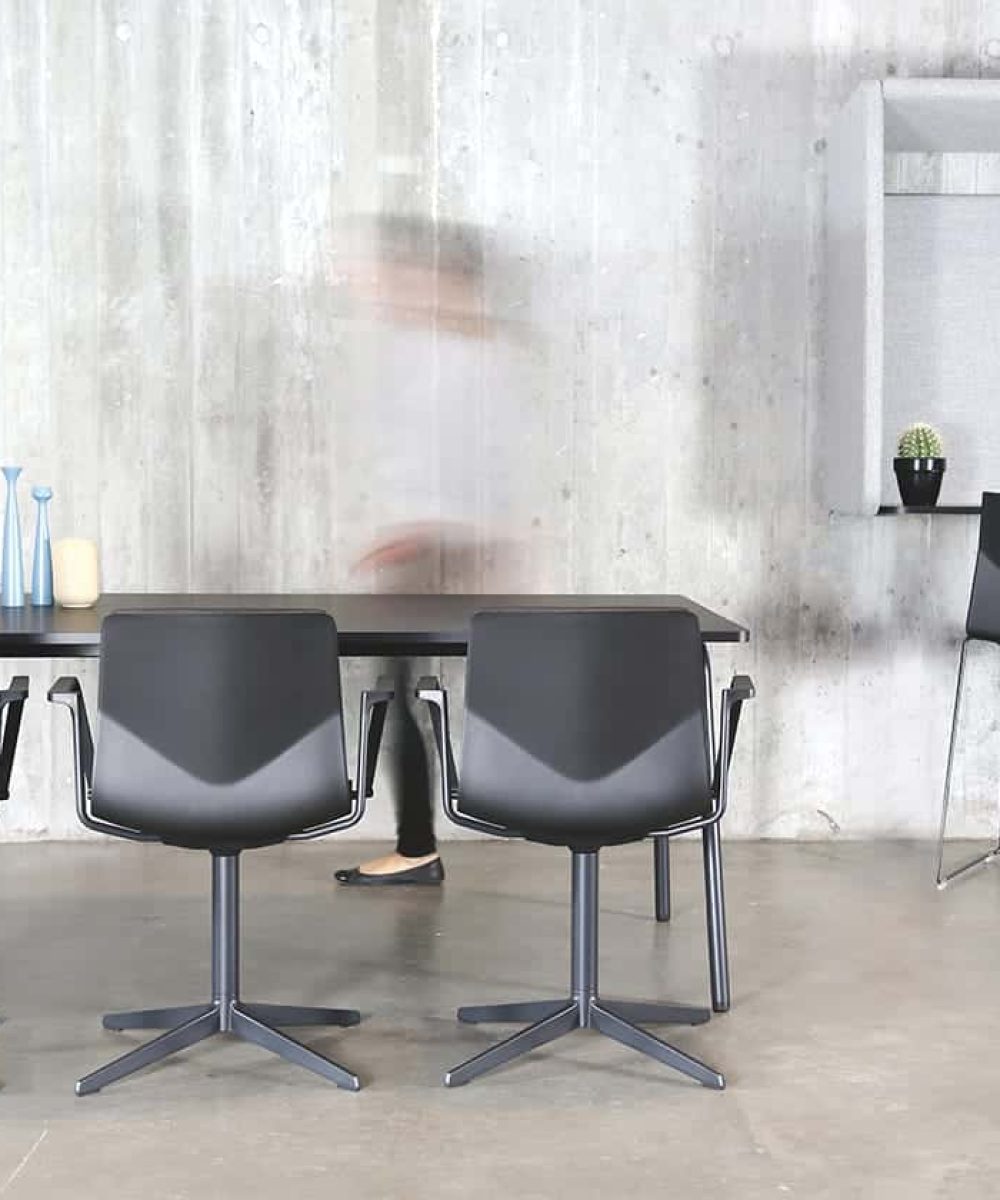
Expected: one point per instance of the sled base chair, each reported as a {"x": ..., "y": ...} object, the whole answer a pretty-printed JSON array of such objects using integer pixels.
[
  {"x": 220, "y": 731},
  {"x": 585, "y": 729},
  {"x": 982, "y": 624}
]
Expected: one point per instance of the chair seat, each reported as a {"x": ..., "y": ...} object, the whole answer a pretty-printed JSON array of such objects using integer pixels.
[
  {"x": 584, "y": 826},
  {"x": 295, "y": 791}
]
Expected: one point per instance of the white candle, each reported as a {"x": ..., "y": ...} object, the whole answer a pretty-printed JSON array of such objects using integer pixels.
[{"x": 76, "y": 573}]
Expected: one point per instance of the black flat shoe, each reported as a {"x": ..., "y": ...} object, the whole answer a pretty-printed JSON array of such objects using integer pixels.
[{"x": 429, "y": 874}]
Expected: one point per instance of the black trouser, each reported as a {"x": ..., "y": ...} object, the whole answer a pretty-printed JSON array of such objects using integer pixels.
[{"x": 409, "y": 768}]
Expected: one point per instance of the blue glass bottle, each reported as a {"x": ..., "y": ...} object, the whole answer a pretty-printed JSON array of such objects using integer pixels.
[
  {"x": 12, "y": 580},
  {"x": 41, "y": 571}
]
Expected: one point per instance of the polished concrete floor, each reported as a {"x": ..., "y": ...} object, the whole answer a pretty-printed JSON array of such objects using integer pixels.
[{"x": 861, "y": 1052}]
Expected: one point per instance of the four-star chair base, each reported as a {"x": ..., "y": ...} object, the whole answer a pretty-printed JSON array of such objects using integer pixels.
[
  {"x": 584, "y": 1009},
  {"x": 226, "y": 1013}
]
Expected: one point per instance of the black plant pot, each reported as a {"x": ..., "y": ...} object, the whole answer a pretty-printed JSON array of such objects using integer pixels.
[{"x": 919, "y": 480}]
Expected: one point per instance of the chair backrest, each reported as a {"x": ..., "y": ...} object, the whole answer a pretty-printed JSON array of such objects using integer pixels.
[
  {"x": 983, "y": 621},
  {"x": 585, "y": 727},
  {"x": 220, "y": 729}
]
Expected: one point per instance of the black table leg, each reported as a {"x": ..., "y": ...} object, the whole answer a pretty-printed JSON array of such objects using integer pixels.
[
  {"x": 661, "y": 877},
  {"x": 715, "y": 905}
]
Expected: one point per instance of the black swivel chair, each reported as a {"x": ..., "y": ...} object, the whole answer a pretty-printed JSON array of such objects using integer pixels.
[
  {"x": 220, "y": 731},
  {"x": 982, "y": 624},
  {"x": 11, "y": 707},
  {"x": 585, "y": 729}
]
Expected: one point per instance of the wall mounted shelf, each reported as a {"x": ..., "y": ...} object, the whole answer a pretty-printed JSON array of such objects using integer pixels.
[
  {"x": 913, "y": 317},
  {"x": 940, "y": 510}
]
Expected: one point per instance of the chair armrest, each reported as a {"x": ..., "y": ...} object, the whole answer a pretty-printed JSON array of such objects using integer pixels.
[
  {"x": 374, "y": 702},
  {"x": 428, "y": 685},
  {"x": 383, "y": 691},
  {"x": 67, "y": 691},
  {"x": 429, "y": 689},
  {"x": 374, "y": 706},
  {"x": 11, "y": 707},
  {"x": 740, "y": 690},
  {"x": 17, "y": 692}
]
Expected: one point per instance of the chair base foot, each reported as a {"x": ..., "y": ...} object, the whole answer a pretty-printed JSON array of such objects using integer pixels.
[
  {"x": 607, "y": 1020},
  {"x": 515, "y": 1014},
  {"x": 294, "y": 1014},
  {"x": 191, "y": 1024},
  {"x": 643, "y": 1012},
  {"x": 983, "y": 860},
  {"x": 274, "y": 1014},
  {"x": 248, "y": 1026},
  {"x": 154, "y": 1018},
  {"x": 553, "y": 1019}
]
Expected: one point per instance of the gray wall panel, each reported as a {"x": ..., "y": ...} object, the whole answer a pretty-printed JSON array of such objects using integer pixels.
[
  {"x": 942, "y": 334},
  {"x": 650, "y": 179}
]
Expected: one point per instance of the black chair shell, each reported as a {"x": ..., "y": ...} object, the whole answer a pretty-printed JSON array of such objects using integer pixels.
[
  {"x": 983, "y": 620},
  {"x": 220, "y": 730},
  {"x": 586, "y": 728}
]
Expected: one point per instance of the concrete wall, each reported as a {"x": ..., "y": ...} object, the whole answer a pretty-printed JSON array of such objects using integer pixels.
[{"x": 650, "y": 178}]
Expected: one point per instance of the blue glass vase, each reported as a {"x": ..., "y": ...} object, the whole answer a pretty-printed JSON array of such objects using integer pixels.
[
  {"x": 12, "y": 580},
  {"x": 41, "y": 571}
]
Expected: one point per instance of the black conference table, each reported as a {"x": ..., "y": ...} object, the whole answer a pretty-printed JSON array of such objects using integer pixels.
[
  {"x": 379, "y": 626},
  {"x": 385, "y": 626}
]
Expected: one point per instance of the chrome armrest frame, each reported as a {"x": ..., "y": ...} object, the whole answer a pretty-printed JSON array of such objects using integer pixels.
[
  {"x": 429, "y": 690},
  {"x": 374, "y": 703},
  {"x": 740, "y": 690},
  {"x": 67, "y": 691}
]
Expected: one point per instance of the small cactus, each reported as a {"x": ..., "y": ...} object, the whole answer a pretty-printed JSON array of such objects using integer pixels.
[{"x": 920, "y": 441}]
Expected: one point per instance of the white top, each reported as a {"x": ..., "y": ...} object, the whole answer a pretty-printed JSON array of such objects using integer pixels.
[{"x": 429, "y": 433}]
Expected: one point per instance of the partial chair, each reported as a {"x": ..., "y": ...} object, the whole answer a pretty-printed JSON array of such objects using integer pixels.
[
  {"x": 220, "y": 731},
  {"x": 982, "y": 624},
  {"x": 585, "y": 729},
  {"x": 11, "y": 708}
]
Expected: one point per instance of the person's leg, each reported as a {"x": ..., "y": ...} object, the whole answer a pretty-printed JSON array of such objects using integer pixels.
[
  {"x": 411, "y": 777},
  {"x": 415, "y": 859}
]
